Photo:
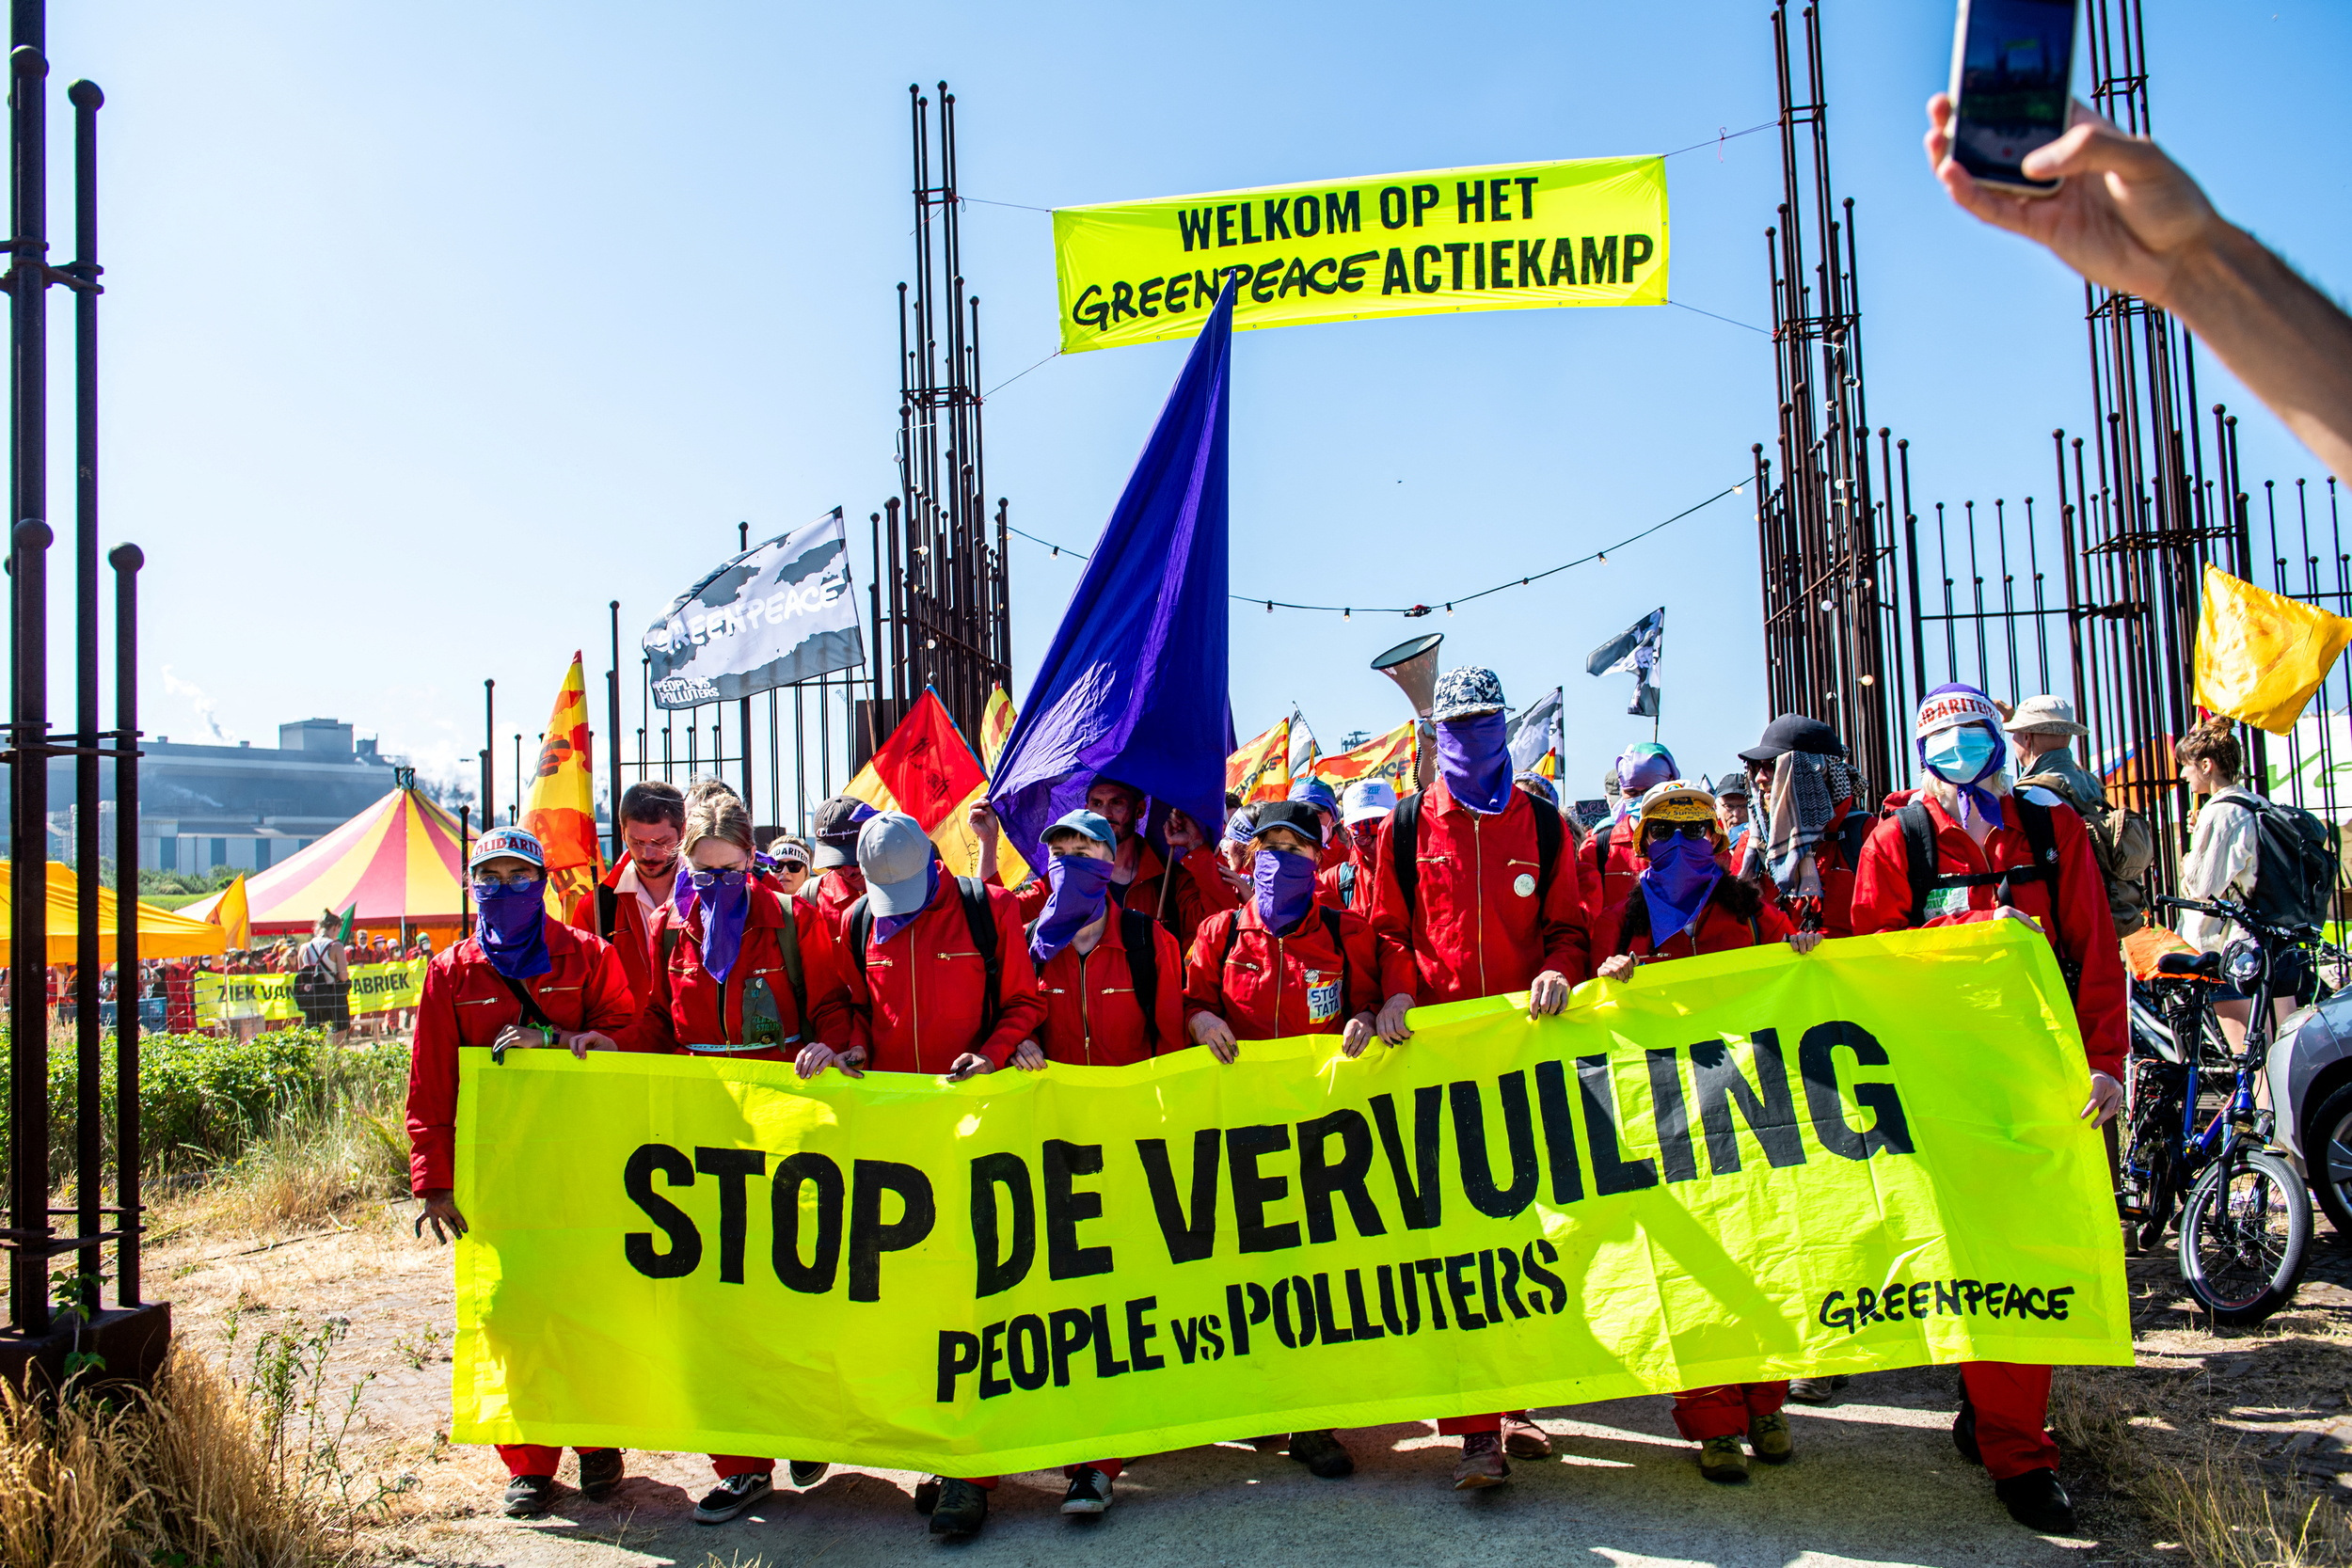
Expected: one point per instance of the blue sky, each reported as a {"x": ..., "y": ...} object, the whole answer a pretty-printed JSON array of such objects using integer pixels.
[{"x": 434, "y": 328}]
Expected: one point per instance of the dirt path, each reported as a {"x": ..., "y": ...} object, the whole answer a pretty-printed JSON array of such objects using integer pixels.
[{"x": 1876, "y": 1480}]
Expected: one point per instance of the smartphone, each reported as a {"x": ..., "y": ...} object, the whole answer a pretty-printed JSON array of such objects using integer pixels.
[{"x": 2012, "y": 65}]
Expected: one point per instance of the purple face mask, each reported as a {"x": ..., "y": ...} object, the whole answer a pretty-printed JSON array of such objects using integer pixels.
[
  {"x": 1675, "y": 884},
  {"x": 1079, "y": 885},
  {"x": 1286, "y": 887},
  {"x": 1474, "y": 759},
  {"x": 723, "y": 906},
  {"x": 511, "y": 924}
]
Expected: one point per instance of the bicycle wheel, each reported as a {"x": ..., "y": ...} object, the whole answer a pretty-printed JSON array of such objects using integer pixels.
[{"x": 2244, "y": 1231}]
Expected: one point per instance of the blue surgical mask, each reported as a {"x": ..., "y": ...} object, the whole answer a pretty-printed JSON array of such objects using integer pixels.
[{"x": 1962, "y": 754}]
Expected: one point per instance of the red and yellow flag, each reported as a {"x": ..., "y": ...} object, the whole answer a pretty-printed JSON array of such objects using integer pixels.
[
  {"x": 560, "y": 809},
  {"x": 995, "y": 728},
  {"x": 927, "y": 771},
  {"x": 1261, "y": 771},
  {"x": 1388, "y": 756}
]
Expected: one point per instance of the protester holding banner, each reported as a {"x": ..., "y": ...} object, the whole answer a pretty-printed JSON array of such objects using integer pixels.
[
  {"x": 1479, "y": 883},
  {"x": 1112, "y": 978},
  {"x": 1683, "y": 905},
  {"x": 1967, "y": 848},
  {"x": 1815, "y": 824},
  {"x": 522, "y": 980},
  {"x": 624, "y": 907}
]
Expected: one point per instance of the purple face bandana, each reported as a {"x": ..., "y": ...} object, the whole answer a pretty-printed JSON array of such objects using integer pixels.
[
  {"x": 1286, "y": 887},
  {"x": 888, "y": 926},
  {"x": 1675, "y": 883},
  {"x": 723, "y": 902},
  {"x": 1078, "y": 885},
  {"x": 511, "y": 924},
  {"x": 1474, "y": 759}
]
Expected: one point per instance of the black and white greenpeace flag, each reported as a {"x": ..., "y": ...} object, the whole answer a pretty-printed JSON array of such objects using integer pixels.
[
  {"x": 1540, "y": 728},
  {"x": 778, "y": 612},
  {"x": 1634, "y": 652}
]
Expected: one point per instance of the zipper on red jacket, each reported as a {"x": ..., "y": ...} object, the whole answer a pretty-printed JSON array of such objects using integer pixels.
[
  {"x": 1478, "y": 839},
  {"x": 1085, "y": 1021}
]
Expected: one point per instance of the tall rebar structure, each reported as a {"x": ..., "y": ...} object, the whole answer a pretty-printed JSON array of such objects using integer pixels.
[
  {"x": 1824, "y": 531},
  {"x": 940, "y": 613}
]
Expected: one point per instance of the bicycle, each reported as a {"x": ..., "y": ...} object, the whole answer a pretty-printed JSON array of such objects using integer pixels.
[{"x": 2246, "y": 1219}]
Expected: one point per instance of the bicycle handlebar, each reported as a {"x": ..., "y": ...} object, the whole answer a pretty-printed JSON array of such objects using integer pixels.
[{"x": 2238, "y": 914}]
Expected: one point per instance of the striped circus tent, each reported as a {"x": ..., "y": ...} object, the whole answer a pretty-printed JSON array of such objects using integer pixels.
[{"x": 399, "y": 860}]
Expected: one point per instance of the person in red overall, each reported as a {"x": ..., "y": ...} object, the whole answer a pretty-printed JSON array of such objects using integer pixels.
[
  {"x": 1801, "y": 853},
  {"x": 622, "y": 907},
  {"x": 1496, "y": 906},
  {"x": 1347, "y": 882},
  {"x": 1988, "y": 865},
  {"x": 1684, "y": 904},
  {"x": 1614, "y": 861},
  {"x": 920, "y": 951},
  {"x": 474, "y": 999},
  {"x": 747, "y": 973},
  {"x": 838, "y": 884},
  {"x": 1282, "y": 965}
]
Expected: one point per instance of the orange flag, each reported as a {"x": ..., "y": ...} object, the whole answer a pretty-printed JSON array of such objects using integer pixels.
[
  {"x": 233, "y": 914},
  {"x": 561, "y": 808},
  {"x": 1388, "y": 756},
  {"x": 927, "y": 770},
  {"x": 1261, "y": 771}
]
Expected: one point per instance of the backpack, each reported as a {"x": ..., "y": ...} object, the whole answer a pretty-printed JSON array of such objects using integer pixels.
[
  {"x": 2122, "y": 844},
  {"x": 2294, "y": 864},
  {"x": 314, "y": 977},
  {"x": 973, "y": 893},
  {"x": 1136, "y": 934},
  {"x": 1919, "y": 861},
  {"x": 1551, "y": 828}
]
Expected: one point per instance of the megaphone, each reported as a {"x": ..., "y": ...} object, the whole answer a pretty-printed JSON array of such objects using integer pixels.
[{"x": 1413, "y": 665}]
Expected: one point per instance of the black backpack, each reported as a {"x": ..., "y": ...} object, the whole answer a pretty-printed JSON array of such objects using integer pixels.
[
  {"x": 1136, "y": 934},
  {"x": 973, "y": 893},
  {"x": 2294, "y": 864},
  {"x": 1404, "y": 836},
  {"x": 1919, "y": 861}
]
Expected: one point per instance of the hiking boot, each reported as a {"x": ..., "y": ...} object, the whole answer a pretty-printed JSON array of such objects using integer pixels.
[
  {"x": 1722, "y": 1458},
  {"x": 1090, "y": 1491},
  {"x": 1481, "y": 1464},
  {"x": 962, "y": 1509},
  {"x": 1964, "y": 1430},
  {"x": 732, "y": 1495},
  {"x": 1523, "y": 1439},
  {"x": 807, "y": 1472},
  {"x": 527, "y": 1497},
  {"x": 599, "y": 1473},
  {"x": 1322, "y": 1454},
  {"x": 1816, "y": 1391},
  {"x": 1768, "y": 1438},
  {"x": 927, "y": 1494},
  {"x": 2037, "y": 1502}
]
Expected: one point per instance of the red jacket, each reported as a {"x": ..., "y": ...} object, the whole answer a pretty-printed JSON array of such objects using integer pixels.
[
  {"x": 1473, "y": 930},
  {"x": 631, "y": 931},
  {"x": 1339, "y": 888},
  {"x": 2082, "y": 930},
  {"x": 917, "y": 1002},
  {"x": 1267, "y": 988},
  {"x": 1607, "y": 887},
  {"x": 1200, "y": 891},
  {"x": 1716, "y": 931},
  {"x": 466, "y": 1003},
  {"x": 833, "y": 893},
  {"x": 1091, "y": 1012},
  {"x": 688, "y": 1007}
]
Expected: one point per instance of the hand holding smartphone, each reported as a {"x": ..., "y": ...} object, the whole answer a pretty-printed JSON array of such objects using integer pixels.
[{"x": 2012, "y": 64}]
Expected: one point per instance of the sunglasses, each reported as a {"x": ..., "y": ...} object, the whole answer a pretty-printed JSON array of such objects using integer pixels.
[
  {"x": 1657, "y": 832},
  {"x": 716, "y": 878},
  {"x": 792, "y": 866}
]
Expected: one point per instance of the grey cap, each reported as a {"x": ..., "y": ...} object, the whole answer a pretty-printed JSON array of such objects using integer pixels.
[
  {"x": 2044, "y": 715},
  {"x": 896, "y": 855}
]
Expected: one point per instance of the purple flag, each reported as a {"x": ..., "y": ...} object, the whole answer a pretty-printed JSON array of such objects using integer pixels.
[{"x": 1133, "y": 687}]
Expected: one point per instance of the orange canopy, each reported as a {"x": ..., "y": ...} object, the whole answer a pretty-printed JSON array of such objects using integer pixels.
[{"x": 161, "y": 935}]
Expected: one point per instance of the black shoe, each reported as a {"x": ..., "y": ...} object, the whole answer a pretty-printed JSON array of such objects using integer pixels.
[
  {"x": 2037, "y": 1502},
  {"x": 1816, "y": 1391},
  {"x": 1322, "y": 1454},
  {"x": 807, "y": 1472},
  {"x": 599, "y": 1472},
  {"x": 732, "y": 1495},
  {"x": 961, "y": 1510},
  {"x": 927, "y": 1494},
  {"x": 1964, "y": 1431},
  {"x": 1090, "y": 1491},
  {"x": 527, "y": 1497}
]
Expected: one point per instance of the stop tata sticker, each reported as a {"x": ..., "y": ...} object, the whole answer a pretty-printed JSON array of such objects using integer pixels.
[{"x": 1524, "y": 885}]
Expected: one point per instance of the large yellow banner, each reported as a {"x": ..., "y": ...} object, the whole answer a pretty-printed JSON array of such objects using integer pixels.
[
  {"x": 1743, "y": 1166},
  {"x": 1499, "y": 237}
]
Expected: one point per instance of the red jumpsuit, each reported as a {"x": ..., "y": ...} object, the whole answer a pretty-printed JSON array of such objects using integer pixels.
[
  {"x": 833, "y": 893},
  {"x": 688, "y": 1010},
  {"x": 1724, "y": 1409},
  {"x": 633, "y": 931},
  {"x": 917, "y": 1002},
  {"x": 2012, "y": 1402},
  {"x": 1267, "y": 987},
  {"x": 464, "y": 1006},
  {"x": 1092, "y": 1014}
]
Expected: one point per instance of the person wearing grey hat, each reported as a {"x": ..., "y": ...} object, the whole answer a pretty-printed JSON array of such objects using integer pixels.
[{"x": 2042, "y": 732}]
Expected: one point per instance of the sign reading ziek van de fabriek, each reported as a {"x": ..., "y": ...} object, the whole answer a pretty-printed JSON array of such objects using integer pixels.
[
  {"x": 1742, "y": 1166},
  {"x": 1504, "y": 237}
]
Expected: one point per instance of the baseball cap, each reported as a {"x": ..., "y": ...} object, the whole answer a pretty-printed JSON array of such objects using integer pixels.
[
  {"x": 1466, "y": 692},
  {"x": 1315, "y": 792},
  {"x": 1795, "y": 732},
  {"x": 837, "y": 829},
  {"x": 1093, "y": 824},
  {"x": 1368, "y": 800},
  {"x": 1297, "y": 815},
  {"x": 896, "y": 855},
  {"x": 500, "y": 843}
]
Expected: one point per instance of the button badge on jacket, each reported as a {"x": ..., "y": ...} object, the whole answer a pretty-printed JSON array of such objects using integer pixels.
[{"x": 1523, "y": 885}]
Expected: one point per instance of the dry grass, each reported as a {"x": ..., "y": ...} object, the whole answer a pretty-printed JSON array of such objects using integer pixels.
[
  {"x": 305, "y": 1172},
  {"x": 2221, "y": 1512}
]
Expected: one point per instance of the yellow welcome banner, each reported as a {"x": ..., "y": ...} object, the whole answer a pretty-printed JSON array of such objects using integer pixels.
[
  {"x": 374, "y": 988},
  {"x": 1498, "y": 237},
  {"x": 1742, "y": 1166}
]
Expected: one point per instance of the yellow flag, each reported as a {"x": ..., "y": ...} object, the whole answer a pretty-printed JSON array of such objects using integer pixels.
[
  {"x": 995, "y": 728},
  {"x": 562, "y": 805},
  {"x": 233, "y": 915},
  {"x": 1261, "y": 771},
  {"x": 2260, "y": 656}
]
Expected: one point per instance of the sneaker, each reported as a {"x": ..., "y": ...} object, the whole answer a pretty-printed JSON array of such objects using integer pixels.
[
  {"x": 927, "y": 1494},
  {"x": 599, "y": 1473},
  {"x": 1322, "y": 1454},
  {"x": 1481, "y": 1464},
  {"x": 2037, "y": 1502},
  {"x": 527, "y": 1497},
  {"x": 962, "y": 1509},
  {"x": 1722, "y": 1458},
  {"x": 1816, "y": 1391},
  {"x": 1768, "y": 1438},
  {"x": 1523, "y": 1439},
  {"x": 1090, "y": 1491},
  {"x": 806, "y": 1472},
  {"x": 1964, "y": 1431},
  {"x": 732, "y": 1495}
]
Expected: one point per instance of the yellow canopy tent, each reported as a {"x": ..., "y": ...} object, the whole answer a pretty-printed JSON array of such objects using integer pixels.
[{"x": 161, "y": 935}]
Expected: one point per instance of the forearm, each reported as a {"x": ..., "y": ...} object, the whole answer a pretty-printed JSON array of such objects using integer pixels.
[{"x": 2287, "y": 341}]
